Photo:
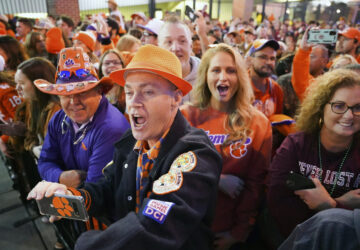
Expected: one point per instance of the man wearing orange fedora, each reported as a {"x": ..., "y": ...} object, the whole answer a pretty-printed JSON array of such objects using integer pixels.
[
  {"x": 160, "y": 188},
  {"x": 80, "y": 137}
]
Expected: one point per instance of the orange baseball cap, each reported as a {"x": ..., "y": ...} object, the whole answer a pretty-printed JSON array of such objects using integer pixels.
[
  {"x": 75, "y": 74},
  {"x": 156, "y": 60},
  {"x": 351, "y": 33}
]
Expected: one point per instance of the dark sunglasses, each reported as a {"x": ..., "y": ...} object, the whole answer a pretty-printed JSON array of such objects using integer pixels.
[{"x": 80, "y": 73}]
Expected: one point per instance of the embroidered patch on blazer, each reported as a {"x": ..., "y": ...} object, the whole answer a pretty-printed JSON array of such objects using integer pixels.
[
  {"x": 157, "y": 210},
  {"x": 172, "y": 181},
  {"x": 168, "y": 183},
  {"x": 185, "y": 162}
]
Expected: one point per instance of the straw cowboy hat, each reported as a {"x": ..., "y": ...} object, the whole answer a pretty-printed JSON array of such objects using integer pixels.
[
  {"x": 156, "y": 60},
  {"x": 75, "y": 74}
]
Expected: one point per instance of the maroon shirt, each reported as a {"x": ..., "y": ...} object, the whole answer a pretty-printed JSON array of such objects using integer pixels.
[{"x": 299, "y": 153}]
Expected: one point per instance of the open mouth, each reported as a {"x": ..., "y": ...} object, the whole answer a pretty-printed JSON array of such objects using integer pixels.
[
  {"x": 223, "y": 89},
  {"x": 138, "y": 120}
]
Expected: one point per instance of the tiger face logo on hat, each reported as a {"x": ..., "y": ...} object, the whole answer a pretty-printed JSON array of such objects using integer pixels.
[{"x": 75, "y": 74}]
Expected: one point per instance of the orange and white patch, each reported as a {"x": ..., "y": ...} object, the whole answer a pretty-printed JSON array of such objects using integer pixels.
[
  {"x": 173, "y": 180},
  {"x": 238, "y": 149}
]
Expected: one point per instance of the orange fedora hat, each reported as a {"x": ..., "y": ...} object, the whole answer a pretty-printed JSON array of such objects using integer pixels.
[
  {"x": 157, "y": 60},
  {"x": 75, "y": 74}
]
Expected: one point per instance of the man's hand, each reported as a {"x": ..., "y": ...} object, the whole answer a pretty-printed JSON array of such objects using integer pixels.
[
  {"x": 316, "y": 198},
  {"x": 72, "y": 178},
  {"x": 200, "y": 24},
  {"x": 350, "y": 199},
  {"x": 231, "y": 185},
  {"x": 201, "y": 31},
  {"x": 224, "y": 241},
  {"x": 47, "y": 189},
  {"x": 304, "y": 45}
]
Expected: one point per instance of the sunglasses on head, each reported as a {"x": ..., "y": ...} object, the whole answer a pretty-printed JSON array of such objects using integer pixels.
[{"x": 80, "y": 73}]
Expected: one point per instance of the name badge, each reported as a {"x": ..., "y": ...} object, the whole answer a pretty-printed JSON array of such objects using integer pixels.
[{"x": 157, "y": 210}]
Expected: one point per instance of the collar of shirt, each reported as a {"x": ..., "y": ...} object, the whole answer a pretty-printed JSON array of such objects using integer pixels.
[
  {"x": 152, "y": 153},
  {"x": 82, "y": 126}
]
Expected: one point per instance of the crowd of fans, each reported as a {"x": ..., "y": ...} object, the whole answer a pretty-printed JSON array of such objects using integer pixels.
[{"x": 268, "y": 101}]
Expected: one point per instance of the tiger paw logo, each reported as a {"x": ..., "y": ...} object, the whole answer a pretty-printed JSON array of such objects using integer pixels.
[
  {"x": 62, "y": 206},
  {"x": 69, "y": 62},
  {"x": 238, "y": 149}
]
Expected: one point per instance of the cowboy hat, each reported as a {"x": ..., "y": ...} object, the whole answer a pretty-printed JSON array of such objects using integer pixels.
[
  {"x": 156, "y": 60},
  {"x": 75, "y": 74}
]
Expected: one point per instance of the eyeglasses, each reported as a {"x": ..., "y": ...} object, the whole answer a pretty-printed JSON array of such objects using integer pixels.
[
  {"x": 265, "y": 58},
  {"x": 80, "y": 73},
  {"x": 342, "y": 108}
]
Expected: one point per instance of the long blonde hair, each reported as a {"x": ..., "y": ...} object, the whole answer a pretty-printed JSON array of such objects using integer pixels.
[
  {"x": 126, "y": 42},
  {"x": 320, "y": 93},
  {"x": 238, "y": 121}
]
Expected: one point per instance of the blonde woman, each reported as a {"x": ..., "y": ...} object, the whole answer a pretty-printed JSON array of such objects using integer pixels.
[
  {"x": 327, "y": 150},
  {"x": 222, "y": 108},
  {"x": 128, "y": 43}
]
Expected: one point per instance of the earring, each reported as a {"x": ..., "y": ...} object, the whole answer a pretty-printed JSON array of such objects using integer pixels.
[{"x": 320, "y": 122}]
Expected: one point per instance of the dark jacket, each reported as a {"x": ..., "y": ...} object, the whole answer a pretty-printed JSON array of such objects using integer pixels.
[{"x": 187, "y": 223}]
